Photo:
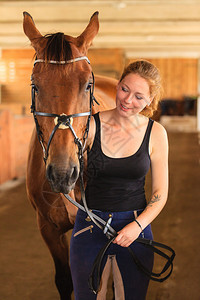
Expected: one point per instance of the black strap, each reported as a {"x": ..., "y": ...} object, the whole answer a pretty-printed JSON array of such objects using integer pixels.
[
  {"x": 153, "y": 246},
  {"x": 95, "y": 275},
  {"x": 97, "y": 268}
]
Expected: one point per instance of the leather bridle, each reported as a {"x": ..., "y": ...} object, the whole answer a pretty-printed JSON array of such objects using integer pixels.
[
  {"x": 62, "y": 119},
  {"x": 94, "y": 279}
]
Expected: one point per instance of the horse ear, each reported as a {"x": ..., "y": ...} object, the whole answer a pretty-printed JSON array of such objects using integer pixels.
[
  {"x": 85, "y": 39},
  {"x": 30, "y": 30}
]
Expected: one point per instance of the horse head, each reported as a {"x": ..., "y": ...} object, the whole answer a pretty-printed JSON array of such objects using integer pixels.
[{"x": 62, "y": 81}]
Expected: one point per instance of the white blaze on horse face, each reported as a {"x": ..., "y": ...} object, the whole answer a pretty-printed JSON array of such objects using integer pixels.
[{"x": 63, "y": 126}]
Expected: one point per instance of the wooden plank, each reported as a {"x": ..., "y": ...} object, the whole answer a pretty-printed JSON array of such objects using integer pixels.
[
  {"x": 23, "y": 131},
  {"x": 187, "y": 51},
  {"x": 109, "y": 10},
  {"x": 17, "y": 108},
  {"x": 22, "y": 54},
  {"x": 16, "y": 75},
  {"x": 123, "y": 41},
  {"x": 109, "y": 62},
  {"x": 15, "y": 133},
  {"x": 147, "y": 40},
  {"x": 190, "y": 77},
  {"x": 114, "y": 27},
  {"x": 7, "y": 159}
]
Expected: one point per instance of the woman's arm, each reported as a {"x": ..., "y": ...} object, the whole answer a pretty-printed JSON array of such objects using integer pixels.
[{"x": 159, "y": 173}]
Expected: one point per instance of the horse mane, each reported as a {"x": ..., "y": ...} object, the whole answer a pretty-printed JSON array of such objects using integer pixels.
[{"x": 57, "y": 47}]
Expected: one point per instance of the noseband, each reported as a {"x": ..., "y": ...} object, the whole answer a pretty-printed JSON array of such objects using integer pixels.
[{"x": 63, "y": 119}]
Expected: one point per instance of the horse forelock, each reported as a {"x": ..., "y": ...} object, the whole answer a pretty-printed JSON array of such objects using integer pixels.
[{"x": 57, "y": 47}]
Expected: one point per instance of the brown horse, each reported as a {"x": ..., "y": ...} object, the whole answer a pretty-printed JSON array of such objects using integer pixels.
[{"x": 61, "y": 84}]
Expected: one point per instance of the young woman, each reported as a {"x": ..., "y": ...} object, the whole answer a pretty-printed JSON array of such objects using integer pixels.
[{"x": 123, "y": 144}]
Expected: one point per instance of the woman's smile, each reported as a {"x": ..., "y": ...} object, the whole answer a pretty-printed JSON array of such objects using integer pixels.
[{"x": 124, "y": 107}]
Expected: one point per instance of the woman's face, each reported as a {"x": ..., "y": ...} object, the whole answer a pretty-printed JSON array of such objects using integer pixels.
[{"x": 132, "y": 95}]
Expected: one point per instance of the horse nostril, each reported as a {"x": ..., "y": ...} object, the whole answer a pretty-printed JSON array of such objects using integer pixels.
[
  {"x": 61, "y": 178},
  {"x": 49, "y": 173},
  {"x": 74, "y": 174}
]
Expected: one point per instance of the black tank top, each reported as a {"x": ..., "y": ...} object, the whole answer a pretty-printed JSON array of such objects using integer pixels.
[{"x": 117, "y": 184}]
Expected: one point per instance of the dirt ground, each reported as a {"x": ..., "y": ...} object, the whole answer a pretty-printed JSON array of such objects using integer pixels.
[{"x": 26, "y": 267}]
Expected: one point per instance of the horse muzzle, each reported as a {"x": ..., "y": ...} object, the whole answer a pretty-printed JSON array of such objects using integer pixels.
[{"x": 62, "y": 180}]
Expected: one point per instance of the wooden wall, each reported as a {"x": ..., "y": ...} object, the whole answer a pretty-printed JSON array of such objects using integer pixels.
[
  {"x": 15, "y": 133},
  {"x": 15, "y": 72}
]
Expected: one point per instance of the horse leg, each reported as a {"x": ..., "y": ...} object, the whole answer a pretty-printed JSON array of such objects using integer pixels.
[{"x": 57, "y": 243}]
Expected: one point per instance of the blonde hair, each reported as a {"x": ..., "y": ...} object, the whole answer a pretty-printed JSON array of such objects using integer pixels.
[{"x": 148, "y": 71}]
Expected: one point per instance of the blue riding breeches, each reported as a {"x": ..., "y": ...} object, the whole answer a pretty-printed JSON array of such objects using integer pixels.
[{"x": 130, "y": 283}]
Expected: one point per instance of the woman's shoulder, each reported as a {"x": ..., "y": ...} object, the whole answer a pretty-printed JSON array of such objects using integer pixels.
[
  {"x": 158, "y": 129},
  {"x": 159, "y": 137}
]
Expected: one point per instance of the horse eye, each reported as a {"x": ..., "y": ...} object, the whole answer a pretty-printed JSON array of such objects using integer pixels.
[
  {"x": 89, "y": 86},
  {"x": 35, "y": 88}
]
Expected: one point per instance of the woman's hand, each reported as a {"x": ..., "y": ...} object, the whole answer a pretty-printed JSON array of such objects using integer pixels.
[{"x": 127, "y": 235}]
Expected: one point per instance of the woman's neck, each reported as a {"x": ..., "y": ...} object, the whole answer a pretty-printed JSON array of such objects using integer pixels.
[{"x": 128, "y": 122}]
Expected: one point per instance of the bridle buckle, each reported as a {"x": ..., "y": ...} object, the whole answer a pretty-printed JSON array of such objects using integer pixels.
[{"x": 64, "y": 121}]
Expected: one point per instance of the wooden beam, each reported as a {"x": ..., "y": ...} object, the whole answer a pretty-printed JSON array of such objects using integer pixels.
[
  {"x": 109, "y": 28},
  {"x": 109, "y": 10}
]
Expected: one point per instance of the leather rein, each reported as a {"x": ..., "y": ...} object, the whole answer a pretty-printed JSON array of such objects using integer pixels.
[{"x": 95, "y": 277}]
